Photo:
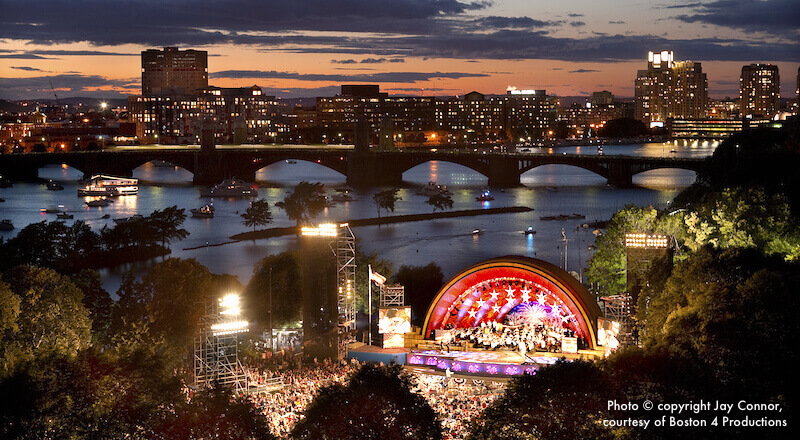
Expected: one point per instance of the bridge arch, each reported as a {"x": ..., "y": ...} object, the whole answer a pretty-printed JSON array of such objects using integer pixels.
[
  {"x": 60, "y": 170},
  {"x": 478, "y": 167},
  {"x": 594, "y": 168},
  {"x": 488, "y": 291},
  {"x": 339, "y": 168}
]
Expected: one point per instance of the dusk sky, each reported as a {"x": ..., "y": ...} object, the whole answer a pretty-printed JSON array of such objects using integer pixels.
[{"x": 296, "y": 48}]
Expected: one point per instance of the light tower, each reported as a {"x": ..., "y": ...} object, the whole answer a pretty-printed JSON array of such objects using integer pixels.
[
  {"x": 216, "y": 350},
  {"x": 343, "y": 247}
]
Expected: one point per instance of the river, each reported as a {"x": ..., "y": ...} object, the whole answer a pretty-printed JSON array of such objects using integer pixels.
[{"x": 549, "y": 190}]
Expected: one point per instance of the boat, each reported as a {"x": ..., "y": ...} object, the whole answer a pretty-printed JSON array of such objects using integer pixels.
[
  {"x": 53, "y": 209},
  {"x": 98, "y": 203},
  {"x": 342, "y": 195},
  {"x": 133, "y": 218},
  {"x": 54, "y": 186},
  {"x": 6, "y": 225},
  {"x": 205, "y": 211},
  {"x": 548, "y": 217},
  {"x": 291, "y": 162},
  {"x": 2, "y": 200},
  {"x": 109, "y": 186},
  {"x": 433, "y": 189},
  {"x": 64, "y": 216},
  {"x": 563, "y": 217},
  {"x": 485, "y": 197},
  {"x": 672, "y": 151},
  {"x": 529, "y": 231},
  {"x": 478, "y": 231},
  {"x": 106, "y": 216},
  {"x": 230, "y": 188}
]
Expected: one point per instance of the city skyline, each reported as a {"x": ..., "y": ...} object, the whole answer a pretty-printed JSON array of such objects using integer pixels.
[{"x": 415, "y": 47}]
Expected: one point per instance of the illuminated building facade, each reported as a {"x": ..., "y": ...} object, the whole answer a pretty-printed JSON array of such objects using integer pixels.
[
  {"x": 528, "y": 113},
  {"x": 759, "y": 90},
  {"x": 240, "y": 115},
  {"x": 670, "y": 89},
  {"x": 174, "y": 71}
]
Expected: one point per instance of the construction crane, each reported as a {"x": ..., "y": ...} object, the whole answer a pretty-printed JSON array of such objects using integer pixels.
[{"x": 58, "y": 103}]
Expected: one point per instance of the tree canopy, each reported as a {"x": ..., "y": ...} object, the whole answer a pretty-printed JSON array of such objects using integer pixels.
[
  {"x": 281, "y": 274},
  {"x": 377, "y": 403},
  {"x": 385, "y": 200},
  {"x": 421, "y": 283},
  {"x": 257, "y": 214},
  {"x": 440, "y": 201},
  {"x": 305, "y": 203}
]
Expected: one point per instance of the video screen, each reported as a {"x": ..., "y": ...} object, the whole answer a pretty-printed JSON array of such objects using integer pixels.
[{"x": 394, "y": 320}]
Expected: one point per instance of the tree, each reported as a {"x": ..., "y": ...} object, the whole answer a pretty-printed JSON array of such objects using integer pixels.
[
  {"x": 166, "y": 224},
  {"x": 257, "y": 214},
  {"x": 280, "y": 275},
  {"x": 606, "y": 267},
  {"x": 565, "y": 400},
  {"x": 50, "y": 318},
  {"x": 305, "y": 203},
  {"x": 385, "y": 200},
  {"x": 217, "y": 413},
  {"x": 745, "y": 218},
  {"x": 377, "y": 403},
  {"x": 97, "y": 301},
  {"x": 440, "y": 201},
  {"x": 421, "y": 285},
  {"x": 165, "y": 307}
]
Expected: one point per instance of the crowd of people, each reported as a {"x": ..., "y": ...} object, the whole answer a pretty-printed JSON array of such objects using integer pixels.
[
  {"x": 524, "y": 338},
  {"x": 457, "y": 401}
]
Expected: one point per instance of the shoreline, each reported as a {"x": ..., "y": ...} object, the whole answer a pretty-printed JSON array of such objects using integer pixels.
[{"x": 277, "y": 232}]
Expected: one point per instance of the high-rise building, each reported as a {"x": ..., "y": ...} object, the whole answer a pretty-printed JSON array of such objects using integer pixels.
[
  {"x": 174, "y": 72},
  {"x": 759, "y": 90},
  {"x": 797, "y": 91},
  {"x": 670, "y": 89}
]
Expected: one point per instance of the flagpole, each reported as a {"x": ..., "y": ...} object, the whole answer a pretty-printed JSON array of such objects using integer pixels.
[{"x": 369, "y": 290}]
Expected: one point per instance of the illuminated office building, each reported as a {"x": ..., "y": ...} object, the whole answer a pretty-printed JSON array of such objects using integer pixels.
[
  {"x": 670, "y": 89},
  {"x": 759, "y": 90},
  {"x": 174, "y": 72}
]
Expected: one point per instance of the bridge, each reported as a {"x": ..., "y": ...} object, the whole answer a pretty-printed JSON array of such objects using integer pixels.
[{"x": 360, "y": 167}]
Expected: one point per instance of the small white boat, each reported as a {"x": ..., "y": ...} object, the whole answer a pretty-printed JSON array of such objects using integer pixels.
[
  {"x": 98, "y": 203},
  {"x": 54, "y": 186},
  {"x": 6, "y": 225},
  {"x": 53, "y": 209},
  {"x": 529, "y": 231},
  {"x": 432, "y": 189},
  {"x": 342, "y": 196},
  {"x": 205, "y": 211},
  {"x": 230, "y": 188},
  {"x": 291, "y": 162},
  {"x": 133, "y": 218},
  {"x": 478, "y": 231}
]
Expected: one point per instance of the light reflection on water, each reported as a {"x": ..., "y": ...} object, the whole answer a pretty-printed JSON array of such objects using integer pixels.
[{"x": 550, "y": 190}]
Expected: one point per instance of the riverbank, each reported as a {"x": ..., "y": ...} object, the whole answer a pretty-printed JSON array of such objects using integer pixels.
[{"x": 277, "y": 232}]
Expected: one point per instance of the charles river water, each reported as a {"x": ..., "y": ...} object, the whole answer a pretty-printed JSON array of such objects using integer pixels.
[{"x": 549, "y": 190}]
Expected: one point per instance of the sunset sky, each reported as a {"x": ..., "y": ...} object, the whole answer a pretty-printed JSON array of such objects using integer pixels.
[{"x": 295, "y": 48}]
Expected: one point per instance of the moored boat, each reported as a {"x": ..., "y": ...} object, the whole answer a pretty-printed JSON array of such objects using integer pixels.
[
  {"x": 230, "y": 188},
  {"x": 98, "y": 203},
  {"x": 6, "y": 225},
  {"x": 205, "y": 211},
  {"x": 54, "y": 186},
  {"x": 109, "y": 186}
]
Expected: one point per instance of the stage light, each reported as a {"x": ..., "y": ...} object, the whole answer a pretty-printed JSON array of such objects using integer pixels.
[{"x": 322, "y": 230}]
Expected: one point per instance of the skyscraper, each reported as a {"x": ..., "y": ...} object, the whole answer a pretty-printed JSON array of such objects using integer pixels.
[
  {"x": 174, "y": 72},
  {"x": 670, "y": 89},
  {"x": 759, "y": 90}
]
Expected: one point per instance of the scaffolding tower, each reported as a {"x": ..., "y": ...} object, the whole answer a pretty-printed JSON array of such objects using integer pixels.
[
  {"x": 392, "y": 295},
  {"x": 216, "y": 349},
  {"x": 619, "y": 308},
  {"x": 344, "y": 248}
]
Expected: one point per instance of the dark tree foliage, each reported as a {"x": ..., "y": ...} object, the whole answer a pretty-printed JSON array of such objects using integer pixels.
[
  {"x": 286, "y": 291},
  {"x": 257, "y": 214},
  {"x": 305, "y": 203},
  {"x": 215, "y": 413},
  {"x": 440, "y": 201},
  {"x": 563, "y": 401},
  {"x": 735, "y": 311},
  {"x": 421, "y": 285},
  {"x": 385, "y": 200},
  {"x": 164, "y": 309},
  {"x": 98, "y": 301},
  {"x": 92, "y": 396},
  {"x": 623, "y": 128},
  {"x": 377, "y": 403}
]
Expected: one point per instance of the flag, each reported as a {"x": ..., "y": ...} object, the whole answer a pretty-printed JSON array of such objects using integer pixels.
[{"x": 375, "y": 276}]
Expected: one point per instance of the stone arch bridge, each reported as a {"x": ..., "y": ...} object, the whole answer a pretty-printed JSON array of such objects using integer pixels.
[{"x": 360, "y": 168}]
